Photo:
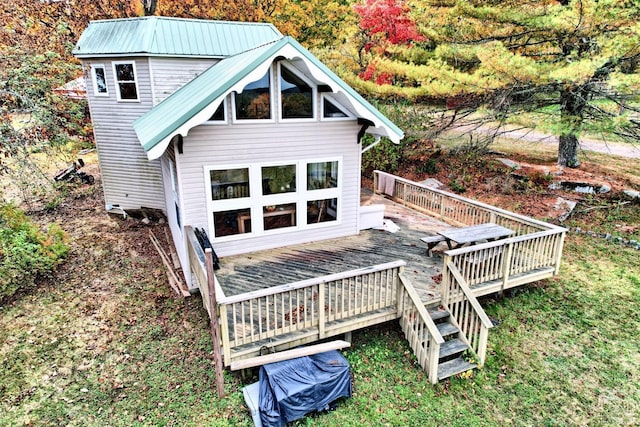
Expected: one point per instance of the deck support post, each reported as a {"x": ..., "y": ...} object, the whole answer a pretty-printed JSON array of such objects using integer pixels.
[
  {"x": 215, "y": 330},
  {"x": 482, "y": 344},
  {"x": 558, "y": 254},
  {"x": 434, "y": 359}
]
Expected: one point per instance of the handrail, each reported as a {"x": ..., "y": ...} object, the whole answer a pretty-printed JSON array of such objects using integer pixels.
[
  {"x": 506, "y": 213},
  {"x": 472, "y": 299},
  {"x": 414, "y": 317},
  {"x": 419, "y": 305},
  {"x": 308, "y": 282},
  {"x": 501, "y": 242}
]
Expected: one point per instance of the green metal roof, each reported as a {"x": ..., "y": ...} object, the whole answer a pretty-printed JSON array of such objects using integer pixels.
[
  {"x": 180, "y": 112},
  {"x": 163, "y": 36}
]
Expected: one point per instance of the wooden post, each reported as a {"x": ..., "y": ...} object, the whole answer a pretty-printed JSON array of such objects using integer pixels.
[
  {"x": 482, "y": 344},
  {"x": 558, "y": 254},
  {"x": 434, "y": 355},
  {"x": 321, "y": 313},
  {"x": 217, "y": 353},
  {"x": 506, "y": 267}
]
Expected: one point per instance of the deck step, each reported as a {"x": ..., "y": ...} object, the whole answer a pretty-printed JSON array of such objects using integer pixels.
[
  {"x": 437, "y": 314},
  {"x": 454, "y": 367},
  {"x": 447, "y": 329},
  {"x": 451, "y": 347}
]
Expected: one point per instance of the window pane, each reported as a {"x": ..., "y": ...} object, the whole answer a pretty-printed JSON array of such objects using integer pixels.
[
  {"x": 218, "y": 115},
  {"x": 229, "y": 183},
  {"x": 101, "y": 81},
  {"x": 297, "y": 96},
  {"x": 279, "y": 216},
  {"x": 322, "y": 175},
  {"x": 255, "y": 100},
  {"x": 331, "y": 111},
  {"x": 124, "y": 72},
  {"x": 278, "y": 179},
  {"x": 322, "y": 210},
  {"x": 128, "y": 91},
  {"x": 229, "y": 223}
]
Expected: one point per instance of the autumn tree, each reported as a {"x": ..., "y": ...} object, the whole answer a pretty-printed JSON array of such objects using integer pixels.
[{"x": 579, "y": 56}]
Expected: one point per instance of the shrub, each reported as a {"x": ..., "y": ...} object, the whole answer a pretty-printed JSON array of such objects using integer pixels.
[{"x": 26, "y": 253}]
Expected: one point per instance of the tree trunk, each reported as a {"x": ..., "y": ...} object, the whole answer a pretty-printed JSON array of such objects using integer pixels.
[
  {"x": 568, "y": 151},
  {"x": 572, "y": 106}
]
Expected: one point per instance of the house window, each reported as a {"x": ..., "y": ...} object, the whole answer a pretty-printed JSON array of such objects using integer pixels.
[
  {"x": 331, "y": 110},
  {"x": 99, "y": 78},
  {"x": 229, "y": 184},
  {"x": 125, "y": 76},
  {"x": 278, "y": 179},
  {"x": 254, "y": 103},
  {"x": 296, "y": 96},
  {"x": 219, "y": 116},
  {"x": 266, "y": 198},
  {"x": 322, "y": 175}
]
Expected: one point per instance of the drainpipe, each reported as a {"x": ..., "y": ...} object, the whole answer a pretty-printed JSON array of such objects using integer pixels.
[{"x": 373, "y": 144}]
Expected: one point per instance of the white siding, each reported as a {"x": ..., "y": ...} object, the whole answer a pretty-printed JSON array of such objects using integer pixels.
[
  {"x": 250, "y": 143},
  {"x": 129, "y": 179},
  {"x": 173, "y": 198},
  {"x": 170, "y": 74}
]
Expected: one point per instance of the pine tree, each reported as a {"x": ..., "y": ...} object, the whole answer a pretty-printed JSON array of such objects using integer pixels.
[{"x": 580, "y": 56}]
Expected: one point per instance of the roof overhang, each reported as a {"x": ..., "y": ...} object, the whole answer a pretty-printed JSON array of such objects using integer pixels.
[{"x": 158, "y": 127}]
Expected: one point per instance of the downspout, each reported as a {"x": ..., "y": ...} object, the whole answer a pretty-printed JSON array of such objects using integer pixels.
[{"x": 373, "y": 144}]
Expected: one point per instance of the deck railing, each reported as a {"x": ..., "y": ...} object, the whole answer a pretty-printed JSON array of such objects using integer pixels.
[
  {"x": 465, "y": 312},
  {"x": 533, "y": 254},
  {"x": 288, "y": 315},
  {"x": 420, "y": 330}
]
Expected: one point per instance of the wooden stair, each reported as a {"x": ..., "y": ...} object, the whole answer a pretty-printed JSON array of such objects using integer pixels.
[{"x": 450, "y": 360}]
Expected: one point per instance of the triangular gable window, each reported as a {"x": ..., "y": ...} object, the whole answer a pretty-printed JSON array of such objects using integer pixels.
[
  {"x": 219, "y": 114},
  {"x": 332, "y": 111}
]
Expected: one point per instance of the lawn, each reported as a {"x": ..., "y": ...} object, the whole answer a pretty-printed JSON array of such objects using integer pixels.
[{"x": 104, "y": 342}]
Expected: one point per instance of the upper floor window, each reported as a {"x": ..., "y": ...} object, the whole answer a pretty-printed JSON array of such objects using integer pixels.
[
  {"x": 126, "y": 84},
  {"x": 254, "y": 103},
  {"x": 331, "y": 110},
  {"x": 296, "y": 96},
  {"x": 219, "y": 116},
  {"x": 99, "y": 78}
]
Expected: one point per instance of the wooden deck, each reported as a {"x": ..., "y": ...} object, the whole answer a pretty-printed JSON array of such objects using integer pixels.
[
  {"x": 260, "y": 270},
  {"x": 282, "y": 298}
]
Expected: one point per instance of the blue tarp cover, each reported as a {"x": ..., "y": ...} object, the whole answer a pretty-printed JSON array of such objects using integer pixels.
[{"x": 292, "y": 388}]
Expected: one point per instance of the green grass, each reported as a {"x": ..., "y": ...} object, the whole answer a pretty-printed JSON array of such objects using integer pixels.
[
  {"x": 126, "y": 353},
  {"x": 105, "y": 343}
]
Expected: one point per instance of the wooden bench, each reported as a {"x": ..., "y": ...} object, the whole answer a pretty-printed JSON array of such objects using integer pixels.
[
  {"x": 432, "y": 242},
  {"x": 288, "y": 354}
]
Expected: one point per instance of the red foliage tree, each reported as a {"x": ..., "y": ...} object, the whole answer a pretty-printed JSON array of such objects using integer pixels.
[{"x": 385, "y": 22}]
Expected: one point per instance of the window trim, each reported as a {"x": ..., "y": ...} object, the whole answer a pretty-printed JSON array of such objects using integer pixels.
[
  {"x": 272, "y": 105},
  {"x": 314, "y": 95},
  {"x": 134, "y": 81},
  {"x": 94, "y": 79},
  {"x": 257, "y": 201}
]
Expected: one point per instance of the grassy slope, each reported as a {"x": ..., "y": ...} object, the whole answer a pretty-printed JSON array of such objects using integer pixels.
[{"x": 105, "y": 343}]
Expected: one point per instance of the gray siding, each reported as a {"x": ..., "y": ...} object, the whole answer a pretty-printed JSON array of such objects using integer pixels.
[
  {"x": 129, "y": 179},
  {"x": 170, "y": 74},
  {"x": 250, "y": 143}
]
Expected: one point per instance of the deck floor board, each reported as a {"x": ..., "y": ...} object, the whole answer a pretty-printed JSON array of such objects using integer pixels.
[{"x": 259, "y": 270}]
